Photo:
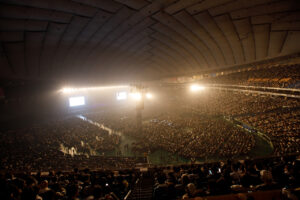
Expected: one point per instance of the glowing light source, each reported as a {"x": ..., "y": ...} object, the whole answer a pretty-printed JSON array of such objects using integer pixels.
[
  {"x": 76, "y": 101},
  {"x": 196, "y": 87},
  {"x": 149, "y": 96},
  {"x": 67, "y": 90},
  {"x": 72, "y": 90},
  {"x": 136, "y": 96},
  {"x": 121, "y": 95}
]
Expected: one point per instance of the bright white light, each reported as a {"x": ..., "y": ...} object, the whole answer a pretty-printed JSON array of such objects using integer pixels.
[
  {"x": 149, "y": 96},
  {"x": 71, "y": 90},
  {"x": 136, "y": 96},
  {"x": 121, "y": 95},
  {"x": 68, "y": 90},
  {"x": 196, "y": 87},
  {"x": 76, "y": 101}
]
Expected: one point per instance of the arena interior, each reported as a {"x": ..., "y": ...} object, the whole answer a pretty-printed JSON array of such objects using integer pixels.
[{"x": 149, "y": 99}]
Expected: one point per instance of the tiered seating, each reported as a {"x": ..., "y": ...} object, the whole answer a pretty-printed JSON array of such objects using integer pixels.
[{"x": 267, "y": 76}]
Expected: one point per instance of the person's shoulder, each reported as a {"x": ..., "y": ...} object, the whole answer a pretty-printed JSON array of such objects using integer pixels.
[
  {"x": 267, "y": 187},
  {"x": 162, "y": 186}
]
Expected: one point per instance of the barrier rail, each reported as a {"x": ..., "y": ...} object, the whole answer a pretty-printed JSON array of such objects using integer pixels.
[
  {"x": 130, "y": 191},
  {"x": 127, "y": 195},
  {"x": 252, "y": 130},
  {"x": 256, "y": 87},
  {"x": 256, "y": 92}
]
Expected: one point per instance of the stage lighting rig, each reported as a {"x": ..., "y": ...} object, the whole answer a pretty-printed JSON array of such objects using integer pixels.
[{"x": 139, "y": 92}]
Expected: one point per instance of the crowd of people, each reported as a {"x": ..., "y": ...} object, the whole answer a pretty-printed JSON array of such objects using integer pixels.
[
  {"x": 243, "y": 177},
  {"x": 194, "y": 136},
  {"x": 62, "y": 145},
  {"x": 195, "y": 126},
  {"x": 77, "y": 184},
  {"x": 229, "y": 103},
  {"x": 182, "y": 132},
  {"x": 282, "y": 128},
  {"x": 284, "y": 76},
  {"x": 277, "y": 117}
]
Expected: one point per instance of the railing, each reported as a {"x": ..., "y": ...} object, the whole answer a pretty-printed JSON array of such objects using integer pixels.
[
  {"x": 130, "y": 191},
  {"x": 127, "y": 195},
  {"x": 251, "y": 129},
  {"x": 256, "y": 87},
  {"x": 256, "y": 92}
]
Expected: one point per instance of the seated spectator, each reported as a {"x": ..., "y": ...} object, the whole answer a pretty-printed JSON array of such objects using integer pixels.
[{"x": 268, "y": 184}]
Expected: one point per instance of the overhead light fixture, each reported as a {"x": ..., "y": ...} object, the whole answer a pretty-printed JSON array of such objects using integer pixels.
[
  {"x": 71, "y": 90},
  {"x": 149, "y": 96},
  {"x": 136, "y": 96},
  {"x": 196, "y": 87}
]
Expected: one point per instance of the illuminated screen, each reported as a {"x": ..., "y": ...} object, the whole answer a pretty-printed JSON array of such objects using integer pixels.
[
  {"x": 121, "y": 95},
  {"x": 76, "y": 101}
]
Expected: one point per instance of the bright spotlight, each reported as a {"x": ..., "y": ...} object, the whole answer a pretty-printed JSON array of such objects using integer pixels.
[
  {"x": 136, "y": 96},
  {"x": 71, "y": 90},
  {"x": 196, "y": 87},
  {"x": 76, "y": 101},
  {"x": 68, "y": 90},
  {"x": 149, "y": 96},
  {"x": 121, "y": 95}
]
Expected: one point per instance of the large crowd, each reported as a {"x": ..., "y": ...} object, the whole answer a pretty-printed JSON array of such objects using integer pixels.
[
  {"x": 77, "y": 184},
  {"x": 212, "y": 123},
  {"x": 229, "y": 103},
  {"x": 62, "y": 145},
  {"x": 280, "y": 175},
  {"x": 277, "y": 117},
  {"x": 198, "y": 137},
  {"x": 190, "y": 136},
  {"x": 284, "y": 76},
  {"x": 195, "y": 126},
  {"x": 283, "y": 129},
  {"x": 242, "y": 179}
]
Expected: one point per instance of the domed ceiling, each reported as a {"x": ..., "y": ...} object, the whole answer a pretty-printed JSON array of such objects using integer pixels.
[{"x": 128, "y": 40}]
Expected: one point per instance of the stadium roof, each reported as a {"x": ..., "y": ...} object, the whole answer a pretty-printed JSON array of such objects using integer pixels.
[{"x": 127, "y": 40}]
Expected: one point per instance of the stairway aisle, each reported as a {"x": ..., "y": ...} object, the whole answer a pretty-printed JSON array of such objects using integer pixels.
[{"x": 144, "y": 189}]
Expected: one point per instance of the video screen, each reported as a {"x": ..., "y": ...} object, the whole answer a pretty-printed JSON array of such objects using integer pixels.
[
  {"x": 121, "y": 95},
  {"x": 76, "y": 101}
]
